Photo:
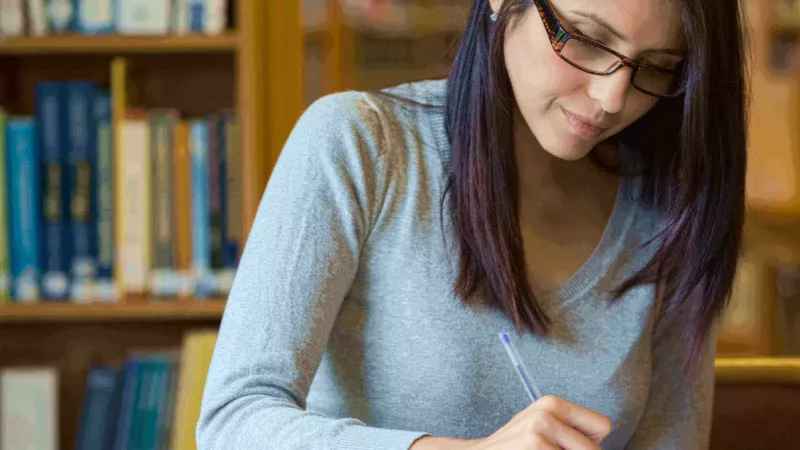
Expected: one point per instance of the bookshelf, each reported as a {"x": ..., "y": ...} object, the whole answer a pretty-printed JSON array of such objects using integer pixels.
[
  {"x": 141, "y": 309},
  {"x": 54, "y": 45},
  {"x": 254, "y": 67}
]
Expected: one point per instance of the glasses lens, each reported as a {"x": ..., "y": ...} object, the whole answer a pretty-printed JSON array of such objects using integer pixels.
[
  {"x": 657, "y": 81},
  {"x": 588, "y": 56},
  {"x": 592, "y": 58}
]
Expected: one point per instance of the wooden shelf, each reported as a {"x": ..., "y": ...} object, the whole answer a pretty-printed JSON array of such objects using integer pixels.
[
  {"x": 119, "y": 44},
  {"x": 758, "y": 370},
  {"x": 136, "y": 310}
]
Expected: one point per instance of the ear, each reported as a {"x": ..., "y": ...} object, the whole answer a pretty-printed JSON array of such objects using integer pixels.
[{"x": 495, "y": 5}]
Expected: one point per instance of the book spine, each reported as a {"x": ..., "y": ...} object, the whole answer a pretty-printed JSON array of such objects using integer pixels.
[
  {"x": 167, "y": 413},
  {"x": 81, "y": 157},
  {"x": 196, "y": 15},
  {"x": 104, "y": 197},
  {"x": 183, "y": 208},
  {"x": 127, "y": 404},
  {"x": 37, "y": 18},
  {"x": 231, "y": 193},
  {"x": 12, "y": 18},
  {"x": 201, "y": 217},
  {"x": 133, "y": 246},
  {"x": 5, "y": 256},
  {"x": 29, "y": 408},
  {"x": 95, "y": 17},
  {"x": 94, "y": 416},
  {"x": 215, "y": 192},
  {"x": 51, "y": 139},
  {"x": 23, "y": 195},
  {"x": 143, "y": 17},
  {"x": 163, "y": 282},
  {"x": 61, "y": 15}
]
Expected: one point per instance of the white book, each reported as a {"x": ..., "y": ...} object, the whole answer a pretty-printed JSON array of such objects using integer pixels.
[
  {"x": 133, "y": 252},
  {"x": 29, "y": 408},
  {"x": 12, "y": 18},
  {"x": 96, "y": 16},
  {"x": 143, "y": 17},
  {"x": 37, "y": 18}
]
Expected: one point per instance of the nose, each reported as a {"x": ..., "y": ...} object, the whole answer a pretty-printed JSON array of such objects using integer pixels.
[{"x": 611, "y": 91}]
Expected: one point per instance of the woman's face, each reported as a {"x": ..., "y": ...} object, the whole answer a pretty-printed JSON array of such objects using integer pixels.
[{"x": 550, "y": 93}]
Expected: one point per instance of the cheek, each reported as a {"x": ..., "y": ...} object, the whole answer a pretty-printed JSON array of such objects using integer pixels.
[{"x": 538, "y": 75}]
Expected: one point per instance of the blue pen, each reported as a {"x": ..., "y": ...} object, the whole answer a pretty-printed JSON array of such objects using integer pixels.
[{"x": 533, "y": 391}]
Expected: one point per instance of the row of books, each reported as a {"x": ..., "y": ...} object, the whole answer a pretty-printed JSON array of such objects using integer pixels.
[
  {"x": 127, "y": 17},
  {"x": 150, "y": 402},
  {"x": 94, "y": 207}
]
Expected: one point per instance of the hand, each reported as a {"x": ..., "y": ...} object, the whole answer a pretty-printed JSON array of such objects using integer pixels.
[{"x": 550, "y": 423}]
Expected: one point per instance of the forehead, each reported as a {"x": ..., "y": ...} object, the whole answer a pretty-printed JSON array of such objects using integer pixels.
[{"x": 646, "y": 23}]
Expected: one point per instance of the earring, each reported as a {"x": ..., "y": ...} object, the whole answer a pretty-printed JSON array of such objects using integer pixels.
[{"x": 493, "y": 17}]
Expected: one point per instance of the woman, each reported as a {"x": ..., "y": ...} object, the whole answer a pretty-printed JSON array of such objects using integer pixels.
[{"x": 591, "y": 201}]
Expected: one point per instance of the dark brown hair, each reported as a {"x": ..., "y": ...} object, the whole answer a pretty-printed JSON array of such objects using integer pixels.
[{"x": 693, "y": 159}]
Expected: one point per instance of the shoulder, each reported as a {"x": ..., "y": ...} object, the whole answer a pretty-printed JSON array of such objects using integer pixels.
[
  {"x": 407, "y": 105},
  {"x": 384, "y": 123}
]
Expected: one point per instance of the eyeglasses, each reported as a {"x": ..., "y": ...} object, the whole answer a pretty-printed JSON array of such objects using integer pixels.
[{"x": 593, "y": 57}]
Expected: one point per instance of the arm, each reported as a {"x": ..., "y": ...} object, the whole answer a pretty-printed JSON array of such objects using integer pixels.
[
  {"x": 296, "y": 269},
  {"x": 679, "y": 408}
]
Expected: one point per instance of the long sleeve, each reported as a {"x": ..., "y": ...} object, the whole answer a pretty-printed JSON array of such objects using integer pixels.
[
  {"x": 299, "y": 262},
  {"x": 679, "y": 408}
]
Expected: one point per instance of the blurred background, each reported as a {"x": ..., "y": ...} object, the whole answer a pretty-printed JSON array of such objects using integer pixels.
[{"x": 136, "y": 137}]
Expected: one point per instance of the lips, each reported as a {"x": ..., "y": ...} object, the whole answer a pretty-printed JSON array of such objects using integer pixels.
[{"x": 582, "y": 127}]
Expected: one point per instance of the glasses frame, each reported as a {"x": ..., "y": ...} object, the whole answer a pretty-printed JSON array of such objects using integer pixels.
[{"x": 559, "y": 36}]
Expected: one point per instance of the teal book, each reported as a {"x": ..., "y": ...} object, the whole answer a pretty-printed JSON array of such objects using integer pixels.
[
  {"x": 5, "y": 257},
  {"x": 23, "y": 212}
]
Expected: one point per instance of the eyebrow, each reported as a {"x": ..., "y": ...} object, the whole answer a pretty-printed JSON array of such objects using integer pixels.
[{"x": 598, "y": 20}]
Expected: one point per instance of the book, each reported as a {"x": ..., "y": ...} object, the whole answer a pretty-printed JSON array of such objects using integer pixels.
[
  {"x": 24, "y": 221},
  {"x": 80, "y": 184},
  {"x": 5, "y": 257},
  {"x": 135, "y": 199},
  {"x": 143, "y": 17},
  {"x": 52, "y": 141},
  {"x": 12, "y": 18},
  {"x": 37, "y": 18},
  {"x": 164, "y": 281},
  {"x": 95, "y": 17},
  {"x": 29, "y": 408},
  {"x": 230, "y": 199},
  {"x": 201, "y": 210},
  {"x": 196, "y": 353},
  {"x": 98, "y": 398},
  {"x": 103, "y": 200},
  {"x": 183, "y": 209},
  {"x": 60, "y": 16}
]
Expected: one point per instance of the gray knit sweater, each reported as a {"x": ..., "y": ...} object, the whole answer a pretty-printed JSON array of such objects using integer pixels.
[{"x": 342, "y": 333}]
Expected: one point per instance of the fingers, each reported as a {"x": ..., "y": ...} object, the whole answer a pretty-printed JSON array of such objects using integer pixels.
[
  {"x": 560, "y": 435},
  {"x": 592, "y": 424}
]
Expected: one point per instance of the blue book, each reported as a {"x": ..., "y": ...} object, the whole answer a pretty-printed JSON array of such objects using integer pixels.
[
  {"x": 103, "y": 196},
  {"x": 126, "y": 404},
  {"x": 101, "y": 385},
  {"x": 24, "y": 219},
  {"x": 80, "y": 182},
  {"x": 55, "y": 227},
  {"x": 201, "y": 209},
  {"x": 197, "y": 12}
]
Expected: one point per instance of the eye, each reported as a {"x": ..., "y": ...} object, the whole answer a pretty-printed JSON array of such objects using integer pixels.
[{"x": 586, "y": 35}]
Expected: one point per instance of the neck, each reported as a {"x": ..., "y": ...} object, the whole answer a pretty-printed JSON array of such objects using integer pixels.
[{"x": 548, "y": 183}]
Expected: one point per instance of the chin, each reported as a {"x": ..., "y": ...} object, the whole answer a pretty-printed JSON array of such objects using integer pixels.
[{"x": 568, "y": 149}]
